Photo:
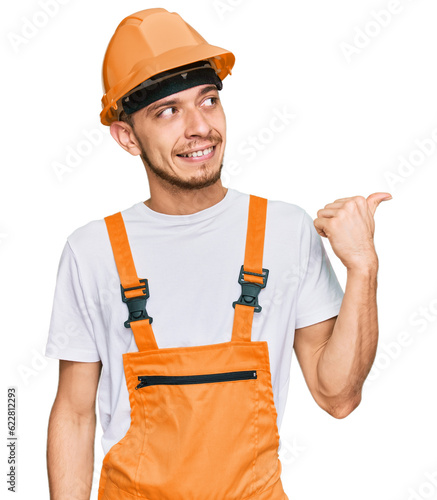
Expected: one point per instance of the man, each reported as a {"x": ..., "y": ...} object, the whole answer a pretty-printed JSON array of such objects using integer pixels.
[{"x": 207, "y": 429}]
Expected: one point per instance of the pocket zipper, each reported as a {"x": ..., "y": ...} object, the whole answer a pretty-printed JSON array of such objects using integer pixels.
[{"x": 148, "y": 380}]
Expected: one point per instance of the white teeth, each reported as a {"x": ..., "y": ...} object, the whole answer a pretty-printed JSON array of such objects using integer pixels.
[{"x": 199, "y": 153}]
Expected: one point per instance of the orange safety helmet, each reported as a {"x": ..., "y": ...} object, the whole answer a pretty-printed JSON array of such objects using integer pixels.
[{"x": 147, "y": 43}]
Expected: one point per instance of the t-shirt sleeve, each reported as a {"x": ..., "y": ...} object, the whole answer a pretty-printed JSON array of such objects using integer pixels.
[
  {"x": 71, "y": 335},
  {"x": 319, "y": 292}
]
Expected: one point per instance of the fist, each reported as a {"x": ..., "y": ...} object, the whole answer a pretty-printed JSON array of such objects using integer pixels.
[{"x": 349, "y": 225}]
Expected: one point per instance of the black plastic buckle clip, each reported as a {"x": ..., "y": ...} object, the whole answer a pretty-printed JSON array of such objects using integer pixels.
[
  {"x": 136, "y": 305},
  {"x": 250, "y": 291}
]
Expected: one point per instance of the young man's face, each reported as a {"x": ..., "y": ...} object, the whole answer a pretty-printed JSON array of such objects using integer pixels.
[{"x": 189, "y": 121}]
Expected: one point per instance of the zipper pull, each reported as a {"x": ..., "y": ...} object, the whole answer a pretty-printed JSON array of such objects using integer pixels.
[{"x": 142, "y": 383}]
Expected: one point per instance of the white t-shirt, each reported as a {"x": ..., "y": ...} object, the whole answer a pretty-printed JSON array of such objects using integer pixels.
[{"x": 192, "y": 263}]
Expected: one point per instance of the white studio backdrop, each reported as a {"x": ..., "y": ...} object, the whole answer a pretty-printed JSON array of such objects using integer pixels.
[{"x": 355, "y": 86}]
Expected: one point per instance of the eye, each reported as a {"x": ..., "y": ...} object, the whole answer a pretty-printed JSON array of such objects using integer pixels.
[
  {"x": 165, "y": 113},
  {"x": 213, "y": 99}
]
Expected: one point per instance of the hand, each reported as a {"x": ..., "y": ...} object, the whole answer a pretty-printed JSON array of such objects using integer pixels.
[{"x": 349, "y": 226}]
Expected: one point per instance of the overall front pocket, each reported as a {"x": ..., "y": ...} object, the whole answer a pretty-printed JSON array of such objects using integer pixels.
[
  {"x": 148, "y": 380},
  {"x": 201, "y": 434}
]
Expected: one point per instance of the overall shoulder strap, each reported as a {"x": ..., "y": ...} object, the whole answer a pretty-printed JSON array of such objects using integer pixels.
[
  {"x": 252, "y": 275},
  {"x": 134, "y": 291}
]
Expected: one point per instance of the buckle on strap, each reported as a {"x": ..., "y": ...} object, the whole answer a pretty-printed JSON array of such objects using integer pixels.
[
  {"x": 136, "y": 305},
  {"x": 250, "y": 291}
]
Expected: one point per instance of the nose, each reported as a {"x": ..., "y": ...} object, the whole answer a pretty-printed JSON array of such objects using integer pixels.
[{"x": 196, "y": 124}]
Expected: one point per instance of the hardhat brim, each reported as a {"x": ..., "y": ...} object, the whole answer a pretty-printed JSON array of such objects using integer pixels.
[{"x": 146, "y": 68}]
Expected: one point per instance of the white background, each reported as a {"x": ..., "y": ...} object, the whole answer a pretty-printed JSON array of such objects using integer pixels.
[{"x": 355, "y": 117}]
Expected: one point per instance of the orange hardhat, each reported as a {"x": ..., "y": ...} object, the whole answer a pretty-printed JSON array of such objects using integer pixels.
[{"x": 147, "y": 43}]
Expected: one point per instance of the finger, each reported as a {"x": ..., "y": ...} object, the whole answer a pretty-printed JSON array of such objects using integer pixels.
[
  {"x": 334, "y": 205},
  {"x": 344, "y": 199},
  {"x": 328, "y": 212},
  {"x": 319, "y": 225},
  {"x": 375, "y": 199},
  {"x": 351, "y": 198}
]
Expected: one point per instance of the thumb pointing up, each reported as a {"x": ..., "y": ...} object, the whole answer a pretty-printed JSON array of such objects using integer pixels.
[{"x": 374, "y": 199}]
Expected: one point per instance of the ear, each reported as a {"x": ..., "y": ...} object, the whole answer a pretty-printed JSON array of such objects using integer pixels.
[{"x": 123, "y": 133}]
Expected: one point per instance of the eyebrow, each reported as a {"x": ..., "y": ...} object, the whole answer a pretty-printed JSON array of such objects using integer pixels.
[{"x": 170, "y": 102}]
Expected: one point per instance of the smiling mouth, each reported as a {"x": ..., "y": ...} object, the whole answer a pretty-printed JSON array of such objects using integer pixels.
[{"x": 202, "y": 154}]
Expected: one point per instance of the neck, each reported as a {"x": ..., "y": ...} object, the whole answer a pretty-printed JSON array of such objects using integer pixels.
[{"x": 185, "y": 202}]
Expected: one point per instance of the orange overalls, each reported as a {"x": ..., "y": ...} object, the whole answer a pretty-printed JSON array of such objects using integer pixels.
[{"x": 203, "y": 419}]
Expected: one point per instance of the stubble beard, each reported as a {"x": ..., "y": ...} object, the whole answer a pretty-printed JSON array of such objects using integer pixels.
[{"x": 176, "y": 183}]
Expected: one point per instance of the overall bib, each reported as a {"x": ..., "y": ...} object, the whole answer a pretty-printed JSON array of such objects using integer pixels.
[{"x": 203, "y": 419}]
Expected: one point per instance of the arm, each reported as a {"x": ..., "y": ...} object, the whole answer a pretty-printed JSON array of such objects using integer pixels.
[
  {"x": 336, "y": 355},
  {"x": 71, "y": 431}
]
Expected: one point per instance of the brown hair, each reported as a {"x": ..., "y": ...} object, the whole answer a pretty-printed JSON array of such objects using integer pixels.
[{"x": 126, "y": 118}]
